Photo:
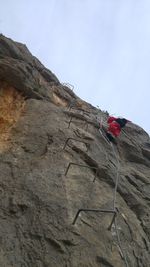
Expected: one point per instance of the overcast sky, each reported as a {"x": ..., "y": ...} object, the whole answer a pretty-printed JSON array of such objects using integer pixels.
[{"x": 102, "y": 47}]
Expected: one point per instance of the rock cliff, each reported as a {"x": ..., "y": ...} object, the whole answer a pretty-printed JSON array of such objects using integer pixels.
[{"x": 56, "y": 164}]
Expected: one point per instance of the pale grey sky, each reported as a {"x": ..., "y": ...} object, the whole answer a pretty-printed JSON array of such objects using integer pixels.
[{"x": 102, "y": 47}]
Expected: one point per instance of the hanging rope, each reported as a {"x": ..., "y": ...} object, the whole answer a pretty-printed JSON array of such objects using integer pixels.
[{"x": 115, "y": 193}]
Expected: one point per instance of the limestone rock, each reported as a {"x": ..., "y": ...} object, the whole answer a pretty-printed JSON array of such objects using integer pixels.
[{"x": 51, "y": 151}]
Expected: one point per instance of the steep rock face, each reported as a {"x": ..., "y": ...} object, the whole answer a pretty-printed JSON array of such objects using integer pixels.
[{"x": 51, "y": 151}]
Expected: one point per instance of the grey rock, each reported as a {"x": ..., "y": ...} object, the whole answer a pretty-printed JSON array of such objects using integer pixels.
[{"x": 39, "y": 199}]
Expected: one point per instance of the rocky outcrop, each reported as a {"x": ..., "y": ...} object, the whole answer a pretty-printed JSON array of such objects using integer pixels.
[{"x": 51, "y": 151}]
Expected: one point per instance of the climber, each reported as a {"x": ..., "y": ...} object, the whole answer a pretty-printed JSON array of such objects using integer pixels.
[{"x": 114, "y": 127}]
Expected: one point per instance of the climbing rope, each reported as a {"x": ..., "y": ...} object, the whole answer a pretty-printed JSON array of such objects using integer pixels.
[
  {"x": 117, "y": 178},
  {"x": 115, "y": 194},
  {"x": 119, "y": 243},
  {"x": 134, "y": 143},
  {"x": 114, "y": 210}
]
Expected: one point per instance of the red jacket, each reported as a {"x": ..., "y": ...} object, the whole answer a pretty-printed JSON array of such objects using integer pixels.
[{"x": 114, "y": 127}]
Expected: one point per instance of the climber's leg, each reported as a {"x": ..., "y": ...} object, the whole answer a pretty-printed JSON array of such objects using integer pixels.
[{"x": 111, "y": 138}]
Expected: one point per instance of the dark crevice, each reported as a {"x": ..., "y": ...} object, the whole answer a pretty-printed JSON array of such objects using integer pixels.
[
  {"x": 130, "y": 180},
  {"x": 103, "y": 261},
  {"x": 141, "y": 178},
  {"x": 55, "y": 244}
]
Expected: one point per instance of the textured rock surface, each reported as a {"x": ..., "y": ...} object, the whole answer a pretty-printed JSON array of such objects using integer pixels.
[{"x": 39, "y": 202}]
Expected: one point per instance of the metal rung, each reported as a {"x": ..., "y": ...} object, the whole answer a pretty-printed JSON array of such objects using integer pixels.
[
  {"x": 70, "y": 138},
  {"x": 96, "y": 210},
  {"x": 84, "y": 166},
  {"x": 78, "y": 109},
  {"x": 70, "y": 86},
  {"x": 70, "y": 121}
]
